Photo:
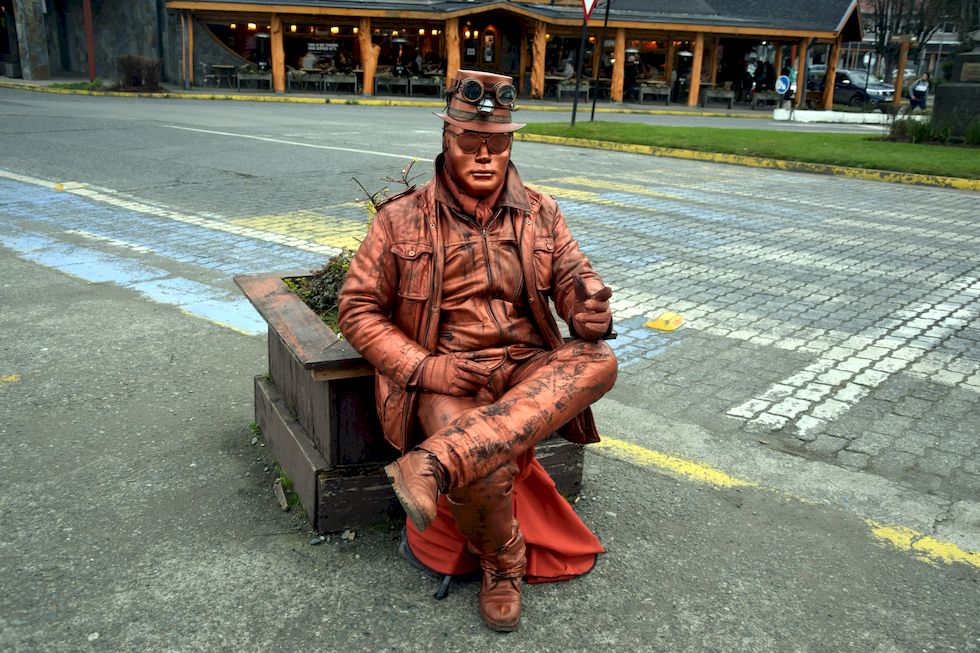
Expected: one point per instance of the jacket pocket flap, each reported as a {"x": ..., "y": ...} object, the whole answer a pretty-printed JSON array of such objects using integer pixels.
[
  {"x": 410, "y": 251},
  {"x": 544, "y": 244}
]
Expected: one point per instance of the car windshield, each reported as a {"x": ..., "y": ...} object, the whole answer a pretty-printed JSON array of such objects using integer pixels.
[{"x": 860, "y": 78}]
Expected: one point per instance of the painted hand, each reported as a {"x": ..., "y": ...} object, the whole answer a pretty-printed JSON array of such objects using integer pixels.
[{"x": 452, "y": 374}]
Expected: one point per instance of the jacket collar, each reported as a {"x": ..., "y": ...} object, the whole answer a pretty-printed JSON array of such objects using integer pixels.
[{"x": 514, "y": 195}]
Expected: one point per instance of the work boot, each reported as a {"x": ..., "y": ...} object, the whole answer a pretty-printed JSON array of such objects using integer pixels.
[
  {"x": 417, "y": 478},
  {"x": 500, "y": 593},
  {"x": 484, "y": 514}
]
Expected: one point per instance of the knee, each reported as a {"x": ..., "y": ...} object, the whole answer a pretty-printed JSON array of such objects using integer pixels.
[
  {"x": 603, "y": 361},
  {"x": 489, "y": 489}
]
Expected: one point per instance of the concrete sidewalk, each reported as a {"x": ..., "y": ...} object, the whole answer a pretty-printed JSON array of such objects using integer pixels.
[{"x": 301, "y": 96}]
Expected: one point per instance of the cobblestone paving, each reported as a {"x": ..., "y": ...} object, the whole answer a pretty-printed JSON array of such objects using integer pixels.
[{"x": 830, "y": 317}]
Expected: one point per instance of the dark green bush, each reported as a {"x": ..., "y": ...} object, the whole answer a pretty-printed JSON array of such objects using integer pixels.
[
  {"x": 137, "y": 72},
  {"x": 971, "y": 135}
]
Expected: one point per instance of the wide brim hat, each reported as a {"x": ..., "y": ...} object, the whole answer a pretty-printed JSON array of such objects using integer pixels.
[{"x": 488, "y": 114}]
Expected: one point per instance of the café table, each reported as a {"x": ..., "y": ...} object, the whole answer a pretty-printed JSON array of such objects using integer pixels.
[{"x": 224, "y": 72}]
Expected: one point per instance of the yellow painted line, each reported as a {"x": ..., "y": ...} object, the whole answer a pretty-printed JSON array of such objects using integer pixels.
[
  {"x": 590, "y": 196},
  {"x": 632, "y": 453},
  {"x": 610, "y": 185},
  {"x": 309, "y": 226},
  {"x": 760, "y": 162},
  {"x": 929, "y": 549},
  {"x": 10, "y": 378},
  {"x": 925, "y": 547}
]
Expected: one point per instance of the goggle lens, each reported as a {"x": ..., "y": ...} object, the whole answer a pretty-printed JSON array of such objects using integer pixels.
[
  {"x": 470, "y": 142},
  {"x": 472, "y": 90}
]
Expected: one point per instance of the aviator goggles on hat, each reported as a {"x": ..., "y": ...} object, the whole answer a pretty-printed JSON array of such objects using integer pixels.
[
  {"x": 470, "y": 142},
  {"x": 471, "y": 90}
]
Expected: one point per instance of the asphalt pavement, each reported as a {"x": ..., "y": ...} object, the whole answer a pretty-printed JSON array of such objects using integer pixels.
[{"x": 793, "y": 470}]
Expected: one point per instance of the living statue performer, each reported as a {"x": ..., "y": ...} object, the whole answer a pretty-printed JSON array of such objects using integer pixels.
[{"x": 448, "y": 298}]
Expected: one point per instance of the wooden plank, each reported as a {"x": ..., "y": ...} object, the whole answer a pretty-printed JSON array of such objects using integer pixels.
[
  {"x": 353, "y": 498},
  {"x": 289, "y": 444},
  {"x": 358, "y": 436}
]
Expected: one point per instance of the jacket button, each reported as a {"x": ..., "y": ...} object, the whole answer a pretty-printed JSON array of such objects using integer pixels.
[
  {"x": 530, "y": 299},
  {"x": 411, "y": 252}
]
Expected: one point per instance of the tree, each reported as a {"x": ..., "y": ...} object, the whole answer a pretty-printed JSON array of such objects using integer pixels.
[{"x": 918, "y": 19}]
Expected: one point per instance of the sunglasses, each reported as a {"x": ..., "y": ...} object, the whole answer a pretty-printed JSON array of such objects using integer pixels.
[
  {"x": 472, "y": 90},
  {"x": 470, "y": 142}
]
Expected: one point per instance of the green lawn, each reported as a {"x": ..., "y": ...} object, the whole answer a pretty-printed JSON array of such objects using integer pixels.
[{"x": 855, "y": 150}]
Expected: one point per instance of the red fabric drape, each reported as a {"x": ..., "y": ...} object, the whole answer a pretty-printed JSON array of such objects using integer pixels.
[{"x": 559, "y": 545}]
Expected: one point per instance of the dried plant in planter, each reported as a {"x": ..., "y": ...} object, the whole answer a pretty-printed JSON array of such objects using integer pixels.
[{"x": 320, "y": 290}]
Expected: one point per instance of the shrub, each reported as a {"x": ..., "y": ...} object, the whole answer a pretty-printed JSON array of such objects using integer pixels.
[
  {"x": 137, "y": 72},
  {"x": 918, "y": 131},
  {"x": 971, "y": 135}
]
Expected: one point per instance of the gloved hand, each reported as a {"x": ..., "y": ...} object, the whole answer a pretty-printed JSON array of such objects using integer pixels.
[
  {"x": 452, "y": 374},
  {"x": 591, "y": 315}
]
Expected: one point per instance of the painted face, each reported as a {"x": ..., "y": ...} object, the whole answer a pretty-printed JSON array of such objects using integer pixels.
[{"x": 478, "y": 160}]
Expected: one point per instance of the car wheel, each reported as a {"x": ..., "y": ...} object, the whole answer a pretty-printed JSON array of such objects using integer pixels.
[{"x": 856, "y": 100}]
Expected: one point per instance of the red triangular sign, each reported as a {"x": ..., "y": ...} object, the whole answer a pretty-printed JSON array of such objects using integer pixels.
[{"x": 587, "y": 6}]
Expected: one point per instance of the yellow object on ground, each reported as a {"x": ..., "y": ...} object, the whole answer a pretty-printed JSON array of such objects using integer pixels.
[{"x": 667, "y": 321}]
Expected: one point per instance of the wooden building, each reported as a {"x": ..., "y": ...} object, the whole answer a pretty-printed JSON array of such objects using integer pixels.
[{"x": 529, "y": 38}]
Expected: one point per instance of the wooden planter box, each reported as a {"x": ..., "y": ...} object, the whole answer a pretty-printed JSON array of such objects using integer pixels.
[{"x": 316, "y": 411}]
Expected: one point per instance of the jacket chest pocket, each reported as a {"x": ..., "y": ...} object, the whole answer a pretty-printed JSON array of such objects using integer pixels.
[
  {"x": 414, "y": 262},
  {"x": 544, "y": 250}
]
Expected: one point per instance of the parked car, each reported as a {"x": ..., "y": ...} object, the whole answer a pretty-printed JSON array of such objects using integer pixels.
[{"x": 853, "y": 87}]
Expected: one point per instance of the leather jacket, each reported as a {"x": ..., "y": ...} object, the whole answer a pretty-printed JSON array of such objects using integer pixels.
[{"x": 390, "y": 302}]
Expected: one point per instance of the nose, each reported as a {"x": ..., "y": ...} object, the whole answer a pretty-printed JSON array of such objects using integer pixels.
[{"x": 483, "y": 154}]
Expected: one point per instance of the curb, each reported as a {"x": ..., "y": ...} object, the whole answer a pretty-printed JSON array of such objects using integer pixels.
[
  {"x": 760, "y": 162},
  {"x": 170, "y": 95}
]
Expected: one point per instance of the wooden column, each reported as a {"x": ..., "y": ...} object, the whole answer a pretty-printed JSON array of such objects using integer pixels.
[
  {"x": 778, "y": 59},
  {"x": 451, "y": 30},
  {"x": 694, "y": 85},
  {"x": 90, "y": 38},
  {"x": 903, "y": 53},
  {"x": 369, "y": 55},
  {"x": 522, "y": 66},
  {"x": 183, "y": 50},
  {"x": 538, "y": 46},
  {"x": 828, "y": 91},
  {"x": 619, "y": 67},
  {"x": 713, "y": 61},
  {"x": 801, "y": 53},
  {"x": 278, "y": 55},
  {"x": 190, "y": 48},
  {"x": 669, "y": 61}
]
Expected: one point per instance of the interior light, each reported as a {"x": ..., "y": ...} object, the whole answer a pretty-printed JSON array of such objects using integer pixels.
[
  {"x": 394, "y": 32},
  {"x": 466, "y": 34},
  {"x": 251, "y": 25},
  {"x": 335, "y": 30},
  {"x": 356, "y": 30},
  {"x": 476, "y": 33},
  {"x": 421, "y": 31},
  {"x": 547, "y": 37},
  {"x": 292, "y": 28},
  {"x": 233, "y": 26},
  {"x": 435, "y": 32}
]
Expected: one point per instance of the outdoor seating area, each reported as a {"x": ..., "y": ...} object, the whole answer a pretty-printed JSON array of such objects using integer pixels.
[{"x": 654, "y": 89}]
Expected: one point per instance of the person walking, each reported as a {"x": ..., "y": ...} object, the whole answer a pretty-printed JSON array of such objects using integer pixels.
[{"x": 918, "y": 92}]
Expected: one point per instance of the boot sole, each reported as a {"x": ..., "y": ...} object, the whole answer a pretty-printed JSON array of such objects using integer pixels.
[
  {"x": 418, "y": 517},
  {"x": 502, "y": 628}
]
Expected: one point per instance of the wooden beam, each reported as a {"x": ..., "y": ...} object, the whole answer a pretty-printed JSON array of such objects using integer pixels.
[
  {"x": 369, "y": 55},
  {"x": 831, "y": 79},
  {"x": 713, "y": 61},
  {"x": 619, "y": 67},
  {"x": 451, "y": 31},
  {"x": 183, "y": 48},
  {"x": 801, "y": 52},
  {"x": 632, "y": 25},
  {"x": 903, "y": 53},
  {"x": 669, "y": 61},
  {"x": 538, "y": 46},
  {"x": 778, "y": 59},
  {"x": 278, "y": 55},
  {"x": 694, "y": 83}
]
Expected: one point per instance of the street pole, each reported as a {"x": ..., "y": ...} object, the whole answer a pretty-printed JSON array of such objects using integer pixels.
[
  {"x": 578, "y": 73},
  {"x": 602, "y": 47}
]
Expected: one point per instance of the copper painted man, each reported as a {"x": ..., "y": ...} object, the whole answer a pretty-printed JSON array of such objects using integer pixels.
[{"x": 448, "y": 297}]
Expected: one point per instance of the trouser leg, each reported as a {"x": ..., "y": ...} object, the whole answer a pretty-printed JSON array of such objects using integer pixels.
[{"x": 544, "y": 395}]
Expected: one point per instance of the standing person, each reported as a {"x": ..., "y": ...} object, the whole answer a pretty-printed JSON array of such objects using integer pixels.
[
  {"x": 919, "y": 92},
  {"x": 448, "y": 297},
  {"x": 310, "y": 61}
]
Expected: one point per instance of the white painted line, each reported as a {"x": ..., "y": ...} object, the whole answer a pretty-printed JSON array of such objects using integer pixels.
[{"x": 299, "y": 144}]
